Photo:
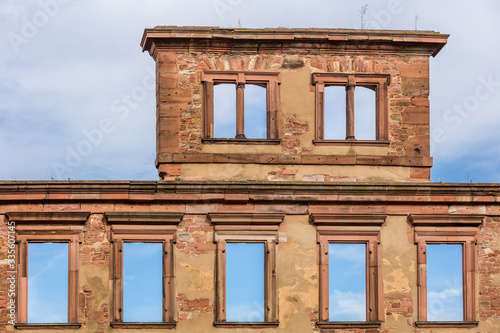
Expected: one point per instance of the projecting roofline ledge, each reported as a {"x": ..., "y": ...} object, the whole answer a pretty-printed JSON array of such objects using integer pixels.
[{"x": 429, "y": 41}]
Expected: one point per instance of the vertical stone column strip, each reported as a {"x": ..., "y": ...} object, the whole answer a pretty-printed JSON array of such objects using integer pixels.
[
  {"x": 272, "y": 108},
  {"x": 240, "y": 113},
  {"x": 324, "y": 283},
  {"x": 379, "y": 287},
  {"x": 22, "y": 264},
  {"x": 382, "y": 112},
  {"x": 73, "y": 285},
  {"x": 320, "y": 111},
  {"x": 117, "y": 279},
  {"x": 469, "y": 286},
  {"x": 371, "y": 281},
  {"x": 208, "y": 105},
  {"x": 350, "y": 108},
  {"x": 270, "y": 285},
  {"x": 221, "y": 280},
  {"x": 422, "y": 280},
  {"x": 168, "y": 282}
]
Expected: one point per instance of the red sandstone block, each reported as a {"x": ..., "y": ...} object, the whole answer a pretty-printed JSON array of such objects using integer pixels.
[
  {"x": 290, "y": 159},
  {"x": 434, "y": 209},
  {"x": 167, "y": 67},
  {"x": 403, "y": 209},
  {"x": 243, "y": 207},
  {"x": 192, "y": 158},
  {"x": 466, "y": 209},
  {"x": 168, "y": 80},
  {"x": 235, "y": 158},
  {"x": 236, "y": 197},
  {"x": 369, "y": 160},
  {"x": 166, "y": 57},
  {"x": 415, "y": 87},
  {"x": 175, "y": 95},
  {"x": 423, "y": 130},
  {"x": 173, "y": 169},
  {"x": 423, "y": 173},
  {"x": 168, "y": 141},
  {"x": 314, "y": 159},
  {"x": 420, "y": 101},
  {"x": 341, "y": 160},
  {"x": 212, "y": 196},
  {"x": 418, "y": 71},
  {"x": 269, "y": 158},
  {"x": 206, "y": 246},
  {"x": 416, "y": 115},
  {"x": 171, "y": 109},
  {"x": 168, "y": 124}
]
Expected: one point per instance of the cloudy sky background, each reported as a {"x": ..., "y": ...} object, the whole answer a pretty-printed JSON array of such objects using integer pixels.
[{"x": 76, "y": 93}]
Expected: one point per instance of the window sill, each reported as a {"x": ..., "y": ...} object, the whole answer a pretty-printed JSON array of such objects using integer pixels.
[
  {"x": 446, "y": 324},
  {"x": 367, "y": 143},
  {"x": 38, "y": 326},
  {"x": 349, "y": 324},
  {"x": 246, "y": 324},
  {"x": 242, "y": 141},
  {"x": 143, "y": 325}
]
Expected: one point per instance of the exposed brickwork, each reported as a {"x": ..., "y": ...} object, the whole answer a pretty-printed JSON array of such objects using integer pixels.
[
  {"x": 188, "y": 309},
  {"x": 488, "y": 267},
  {"x": 180, "y": 89},
  {"x": 191, "y": 235}
]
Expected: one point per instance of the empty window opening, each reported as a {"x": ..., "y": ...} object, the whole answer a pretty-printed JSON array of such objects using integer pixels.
[
  {"x": 364, "y": 113},
  {"x": 255, "y": 112},
  {"x": 224, "y": 111},
  {"x": 347, "y": 282},
  {"x": 444, "y": 282},
  {"x": 142, "y": 282},
  {"x": 47, "y": 282},
  {"x": 245, "y": 282},
  {"x": 335, "y": 114}
]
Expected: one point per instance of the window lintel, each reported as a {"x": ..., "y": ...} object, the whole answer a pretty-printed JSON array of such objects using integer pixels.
[
  {"x": 240, "y": 76},
  {"x": 346, "y": 78},
  {"x": 449, "y": 220},
  {"x": 48, "y": 217},
  {"x": 348, "y": 220},
  {"x": 245, "y": 219}
]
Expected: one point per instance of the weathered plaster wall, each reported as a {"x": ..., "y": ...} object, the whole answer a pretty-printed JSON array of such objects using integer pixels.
[{"x": 298, "y": 269}]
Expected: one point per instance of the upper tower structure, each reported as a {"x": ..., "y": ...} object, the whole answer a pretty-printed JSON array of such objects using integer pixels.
[{"x": 292, "y": 104}]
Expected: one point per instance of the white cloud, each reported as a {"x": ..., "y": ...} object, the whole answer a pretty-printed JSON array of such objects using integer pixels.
[
  {"x": 245, "y": 312},
  {"x": 445, "y": 305},
  {"x": 347, "y": 306}
]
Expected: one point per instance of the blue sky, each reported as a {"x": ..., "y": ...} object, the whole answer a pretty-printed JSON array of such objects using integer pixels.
[
  {"x": 245, "y": 282},
  {"x": 347, "y": 282},
  {"x": 444, "y": 282},
  {"x": 142, "y": 282},
  {"x": 77, "y": 93},
  {"x": 48, "y": 282}
]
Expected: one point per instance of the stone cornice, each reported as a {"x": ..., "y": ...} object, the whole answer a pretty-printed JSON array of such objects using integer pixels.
[
  {"x": 325, "y": 41},
  {"x": 161, "y": 191}
]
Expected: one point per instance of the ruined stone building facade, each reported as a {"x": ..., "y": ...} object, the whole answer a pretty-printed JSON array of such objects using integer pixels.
[{"x": 293, "y": 188}]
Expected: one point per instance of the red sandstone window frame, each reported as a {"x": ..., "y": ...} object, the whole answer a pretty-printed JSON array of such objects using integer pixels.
[
  {"x": 349, "y": 229},
  {"x": 268, "y": 80},
  {"x": 376, "y": 82},
  {"x": 53, "y": 227},
  {"x": 145, "y": 228},
  {"x": 248, "y": 228},
  {"x": 447, "y": 229}
]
